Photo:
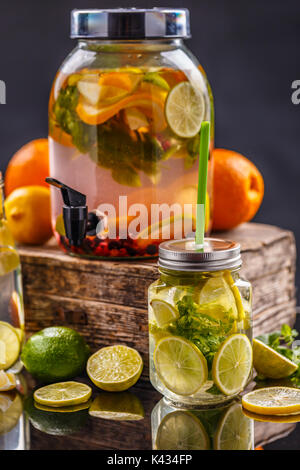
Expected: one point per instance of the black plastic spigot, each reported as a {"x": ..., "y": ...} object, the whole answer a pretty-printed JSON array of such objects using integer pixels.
[{"x": 75, "y": 212}]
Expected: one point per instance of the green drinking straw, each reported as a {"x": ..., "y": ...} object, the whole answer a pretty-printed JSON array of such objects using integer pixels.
[{"x": 202, "y": 183}]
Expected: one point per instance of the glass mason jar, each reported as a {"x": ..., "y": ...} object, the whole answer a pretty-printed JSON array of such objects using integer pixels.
[
  {"x": 125, "y": 113},
  {"x": 200, "y": 323}
]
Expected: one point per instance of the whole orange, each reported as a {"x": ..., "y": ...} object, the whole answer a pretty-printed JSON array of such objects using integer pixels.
[
  {"x": 29, "y": 166},
  {"x": 238, "y": 189}
]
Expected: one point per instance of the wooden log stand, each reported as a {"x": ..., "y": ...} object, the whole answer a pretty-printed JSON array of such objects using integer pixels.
[{"x": 106, "y": 301}]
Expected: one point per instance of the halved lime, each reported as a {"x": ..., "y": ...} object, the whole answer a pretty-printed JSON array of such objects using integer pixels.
[
  {"x": 115, "y": 368},
  {"x": 11, "y": 408},
  {"x": 184, "y": 110},
  {"x": 217, "y": 299},
  {"x": 270, "y": 363},
  {"x": 164, "y": 312},
  {"x": 235, "y": 430},
  {"x": 180, "y": 365},
  {"x": 273, "y": 401},
  {"x": 123, "y": 406},
  {"x": 181, "y": 430},
  {"x": 232, "y": 364},
  {"x": 9, "y": 345},
  {"x": 63, "y": 394},
  {"x": 9, "y": 260}
]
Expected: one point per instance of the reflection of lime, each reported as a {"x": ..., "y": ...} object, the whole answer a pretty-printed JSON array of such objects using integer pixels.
[
  {"x": 11, "y": 408},
  {"x": 63, "y": 394},
  {"x": 232, "y": 364},
  {"x": 185, "y": 108},
  {"x": 270, "y": 363},
  {"x": 64, "y": 409},
  {"x": 55, "y": 353},
  {"x": 164, "y": 312},
  {"x": 235, "y": 430},
  {"x": 9, "y": 260},
  {"x": 273, "y": 401},
  {"x": 217, "y": 299},
  {"x": 180, "y": 365},
  {"x": 115, "y": 368},
  {"x": 9, "y": 345},
  {"x": 57, "y": 424},
  {"x": 181, "y": 430},
  {"x": 123, "y": 406},
  {"x": 272, "y": 419}
]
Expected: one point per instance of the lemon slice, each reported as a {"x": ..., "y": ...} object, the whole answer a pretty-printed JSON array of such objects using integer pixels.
[
  {"x": 9, "y": 260},
  {"x": 181, "y": 430},
  {"x": 185, "y": 108},
  {"x": 273, "y": 401},
  {"x": 232, "y": 364},
  {"x": 123, "y": 406},
  {"x": 115, "y": 368},
  {"x": 64, "y": 409},
  {"x": 11, "y": 349},
  {"x": 90, "y": 89},
  {"x": 7, "y": 381},
  {"x": 217, "y": 299},
  {"x": 11, "y": 408},
  {"x": 164, "y": 312},
  {"x": 180, "y": 365},
  {"x": 270, "y": 363},
  {"x": 63, "y": 394},
  {"x": 235, "y": 431}
]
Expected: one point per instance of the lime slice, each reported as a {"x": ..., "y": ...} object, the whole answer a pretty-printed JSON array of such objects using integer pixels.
[
  {"x": 217, "y": 299},
  {"x": 273, "y": 401},
  {"x": 64, "y": 409},
  {"x": 235, "y": 431},
  {"x": 185, "y": 108},
  {"x": 115, "y": 368},
  {"x": 232, "y": 364},
  {"x": 7, "y": 381},
  {"x": 180, "y": 365},
  {"x": 156, "y": 79},
  {"x": 164, "y": 312},
  {"x": 90, "y": 89},
  {"x": 11, "y": 349},
  {"x": 270, "y": 363},
  {"x": 9, "y": 260},
  {"x": 63, "y": 394},
  {"x": 11, "y": 408},
  {"x": 123, "y": 406},
  {"x": 181, "y": 430}
]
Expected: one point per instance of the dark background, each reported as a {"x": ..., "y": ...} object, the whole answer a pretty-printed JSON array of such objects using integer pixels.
[{"x": 249, "y": 49}]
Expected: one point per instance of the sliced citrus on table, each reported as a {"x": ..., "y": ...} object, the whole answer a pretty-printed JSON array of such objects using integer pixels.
[
  {"x": 123, "y": 406},
  {"x": 115, "y": 368},
  {"x": 164, "y": 312},
  {"x": 63, "y": 394},
  {"x": 232, "y": 364},
  {"x": 273, "y": 401},
  {"x": 7, "y": 381},
  {"x": 235, "y": 431},
  {"x": 9, "y": 345},
  {"x": 181, "y": 430},
  {"x": 185, "y": 109},
  {"x": 270, "y": 363},
  {"x": 11, "y": 408},
  {"x": 180, "y": 365}
]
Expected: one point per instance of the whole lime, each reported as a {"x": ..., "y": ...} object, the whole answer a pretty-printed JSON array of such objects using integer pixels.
[{"x": 54, "y": 354}]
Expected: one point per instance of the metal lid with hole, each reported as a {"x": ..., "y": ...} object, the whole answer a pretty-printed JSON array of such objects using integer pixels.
[
  {"x": 130, "y": 23},
  {"x": 185, "y": 255}
]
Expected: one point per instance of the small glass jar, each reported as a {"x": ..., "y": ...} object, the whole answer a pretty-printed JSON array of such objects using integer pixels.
[
  {"x": 122, "y": 129},
  {"x": 200, "y": 323}
]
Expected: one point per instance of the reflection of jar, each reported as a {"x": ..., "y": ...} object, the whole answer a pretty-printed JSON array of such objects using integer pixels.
[
  {"x": 221, "y": 428},
  {"x": 124, "y": 120},
  {"x": 200, "y": 323}
]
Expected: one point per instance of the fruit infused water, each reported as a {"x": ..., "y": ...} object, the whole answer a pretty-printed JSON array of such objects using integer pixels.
[
  {"x": 124, "y": 129},
  {"x": 200, "y": 327}
]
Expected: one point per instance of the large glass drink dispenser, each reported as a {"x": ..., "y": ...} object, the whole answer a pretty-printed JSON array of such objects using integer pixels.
[{"x": 124, "y": 128}]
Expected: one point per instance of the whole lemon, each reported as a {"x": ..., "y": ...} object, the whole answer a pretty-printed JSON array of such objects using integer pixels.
[{"x": 28, "y": 214}]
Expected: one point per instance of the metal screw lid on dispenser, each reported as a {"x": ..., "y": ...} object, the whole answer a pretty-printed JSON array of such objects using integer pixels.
[
  {"x": 130, "y": 23},
  {"x": 185, "y": 255}
]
